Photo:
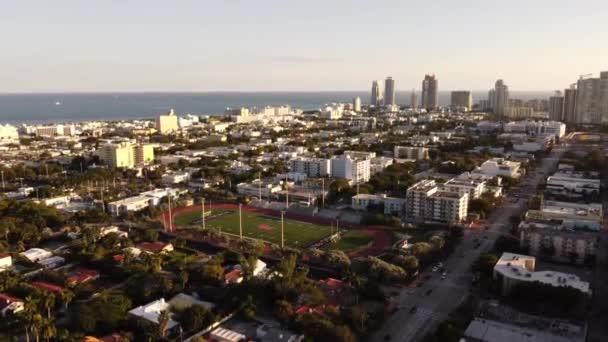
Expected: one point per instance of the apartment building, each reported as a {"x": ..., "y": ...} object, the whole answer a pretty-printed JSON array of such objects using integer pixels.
[
  {"x": 357, "y": 170},
  {"x": 428, "y": 201},
  {"x": 411, "y": 152},
  {"x": 359, "y": 154},
  {"x": 392, "y": 205},
  {"x": 550, "y": 238},
  {"x": 167, "y": 123},
  {"x": 513, "y": 269},
  {"x": 126, "y": 154},
  {"x": 311, "y": 167}
]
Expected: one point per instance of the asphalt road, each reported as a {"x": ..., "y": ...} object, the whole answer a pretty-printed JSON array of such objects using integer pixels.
[{"x": 446, "y": 294}]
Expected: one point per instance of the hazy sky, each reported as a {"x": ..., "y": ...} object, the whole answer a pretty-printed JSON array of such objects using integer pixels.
[{"x": 230, "y": 45}]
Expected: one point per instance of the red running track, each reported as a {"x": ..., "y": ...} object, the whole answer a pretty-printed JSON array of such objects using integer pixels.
[{"x": 382, "y": 238}]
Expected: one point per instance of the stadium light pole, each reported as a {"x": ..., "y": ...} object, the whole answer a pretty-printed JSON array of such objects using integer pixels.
[
  {"x": 286, "y": 193},
  {"x": 170, "y": 217},
  {"x": 204, "y": 213},
  {"x": 323, "y": 193},
  {"x": 282, "y": 229},
  {"x": 240, "y": 221}
]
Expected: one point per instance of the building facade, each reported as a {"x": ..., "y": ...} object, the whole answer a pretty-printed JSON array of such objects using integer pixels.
[
  {"x": 167, "y": 123},
  {"x": 427, "y": 201},
  {"x": 461, "y": 100},
  {"x": 389, "y": 92},
  {"x": 430, "y": 93}
]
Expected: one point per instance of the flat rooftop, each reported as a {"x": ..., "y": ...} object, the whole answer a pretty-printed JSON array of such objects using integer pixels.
[{"x": 493, "y": 331}]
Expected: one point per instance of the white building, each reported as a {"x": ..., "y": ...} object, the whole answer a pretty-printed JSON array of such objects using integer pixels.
[
  {"x": 332, "y": 112},
  {"x": 357, "y": 170},
  {"x": 311, "y": 167},
  {"x": 571, "y": 185},
  {"x": 8, "y": 133},
  {"x": 257, "y": 188},
  {"x": 499, "y": 167},
  {"x": 135, "y": 203},
  {"x": 6, "y": 262},
  {"x": 151, "y": 312},
  {"x": 51, "y": 262},
  {"x": 427, "y": 201},
  {"x": 167, "y": 123},
  {"x": 10, "y": 305},
  {"x": 513, "y": 269},
  {"x": 392, "y": 205},
  {"x": 411, "y": 152},
  {"x": 36, "y": 254},
  {"x": 555, "y": 128},
  {"x": 175, "y": 177}
]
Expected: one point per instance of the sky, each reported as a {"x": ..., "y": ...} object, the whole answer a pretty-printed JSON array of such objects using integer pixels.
[{"x": 311, "y": 45}]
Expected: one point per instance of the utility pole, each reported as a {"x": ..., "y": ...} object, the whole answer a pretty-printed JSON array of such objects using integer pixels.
[
  {"x": 240, "y": 221},
  {"x": 204, "y": 213},
  {"x": 2, "y": 173},
  {"x": 282, "y": 229},
  {"x": 286, "y": 193},
  {"x": 323, "y": 193}
]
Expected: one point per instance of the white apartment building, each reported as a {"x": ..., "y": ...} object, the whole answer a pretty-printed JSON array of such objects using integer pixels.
[
  {"x": 378, "y": 164},
  {"x": 427, "y": 201},
  {"x": 513, "y": 269},
  {"x": 167, "y": 123},
  {"x": 556, "y": 128},
  {"x": 571, "y": 185},
  {"x": 565, "y": 245},
  {"x": 311, "y": 167},
  {"x": 473, "y": 187},
  {"x": 126, "y": 154},
  {"x": 392, "y": 205},
  {"x": 499, "y": 167},
  {"x": 411, "y": 152},
  {"x": 357, "y": 170},
  {"x": 8, "y": 133},
  {"x": 6, "y": 262}
]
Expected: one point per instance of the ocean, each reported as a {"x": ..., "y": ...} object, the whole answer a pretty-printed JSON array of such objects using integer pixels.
[{"x": 46, "y": 108}]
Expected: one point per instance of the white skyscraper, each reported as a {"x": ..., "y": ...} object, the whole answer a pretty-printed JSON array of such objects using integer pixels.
[
  {"x": 414, "y": 100},
  {"x": 389, "y": 91},
  {"x": 357, "y": 104}
]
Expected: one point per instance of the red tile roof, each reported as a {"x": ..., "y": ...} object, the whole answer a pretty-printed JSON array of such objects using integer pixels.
[
  {"x": 4, "y": 255},
  {"x": 82, "y": 276},
  {"x": 153, "y": 247},
  {"x": 48, "y": 287},
  {"x": 332, "y": 283},
  {"x": 233, "y": 276}
]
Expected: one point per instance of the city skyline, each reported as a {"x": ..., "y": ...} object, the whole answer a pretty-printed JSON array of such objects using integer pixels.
[{"x": 69, "y": 46}]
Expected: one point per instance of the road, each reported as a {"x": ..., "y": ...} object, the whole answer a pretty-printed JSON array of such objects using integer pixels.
[{"x": 447, "y": 294}]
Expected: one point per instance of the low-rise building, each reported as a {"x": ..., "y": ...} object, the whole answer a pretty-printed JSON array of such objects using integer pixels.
[
  {"x": 513, "y": 269},
  {"x": 36, "y": 254},
  {"x": 411, "y": 152},
  {"x": 391, "y": 205},
  {"x": 572, "y": 185},
  {"x": 258, "y": 188},
  {"x": 151, "y": 313},
  {"x": 499, "y": 167},
  {"x": 6, "y": 262},
  {"x": 482, "y": 329}
]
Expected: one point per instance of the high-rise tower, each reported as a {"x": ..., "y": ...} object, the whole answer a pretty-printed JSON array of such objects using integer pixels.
[
  {"x": 375, "y": 99},
  {"x": 389, "y": 91},
  {"x": 430, "y": 96}
]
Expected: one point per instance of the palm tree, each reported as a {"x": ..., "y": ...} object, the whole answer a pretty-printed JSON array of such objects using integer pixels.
[
  {"x": 30, "y": 316},
  {"x": 354, "y": 283},
  {"x": 49, "y": 330},
  {"x": 183, "y": 277},
  {"x": 163, "y": 323},
  {"x": 66, "y": 298},
  {"x": 48, "y": 301}
]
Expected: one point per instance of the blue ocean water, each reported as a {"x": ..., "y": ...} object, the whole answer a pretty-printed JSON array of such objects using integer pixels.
[{"x": 41, "y": 108}]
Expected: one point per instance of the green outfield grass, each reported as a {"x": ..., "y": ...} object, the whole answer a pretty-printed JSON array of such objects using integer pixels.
[
  {"x": 351, "y": 241},
  {"x": 298, "y": 234}
]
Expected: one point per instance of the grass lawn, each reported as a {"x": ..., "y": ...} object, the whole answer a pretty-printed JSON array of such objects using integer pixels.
[
  {"x": 351, "y": 241},
  {"x": 298, "y": 234}
]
